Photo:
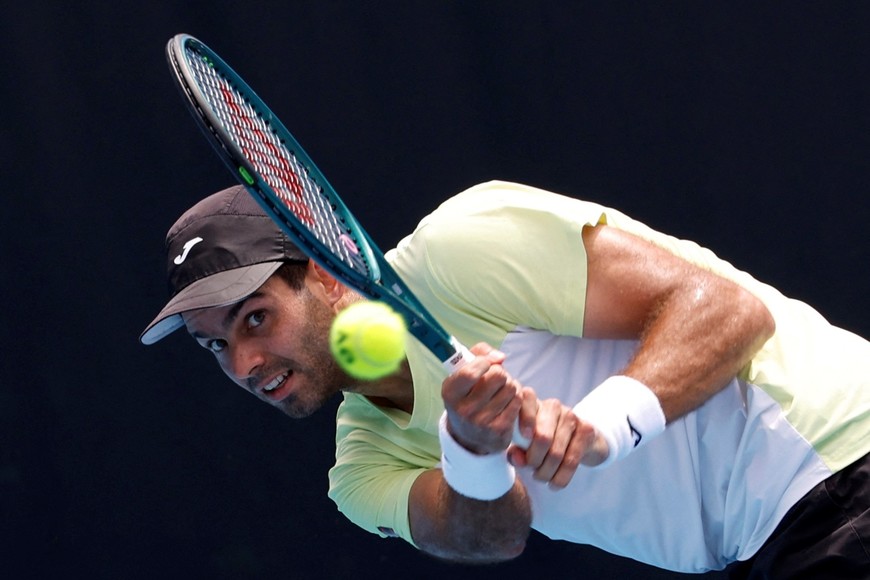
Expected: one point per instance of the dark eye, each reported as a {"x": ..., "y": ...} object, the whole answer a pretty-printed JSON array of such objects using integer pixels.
[
  {"x": 256, "y": 318},
  {"x": 216, "y": 345}
]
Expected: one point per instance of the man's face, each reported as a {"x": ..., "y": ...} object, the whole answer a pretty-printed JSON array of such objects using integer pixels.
[{"x": 275, "y": 344}]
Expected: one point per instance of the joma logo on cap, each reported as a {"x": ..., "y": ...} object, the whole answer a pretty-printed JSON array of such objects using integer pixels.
[{"x": 186, "y": 250}]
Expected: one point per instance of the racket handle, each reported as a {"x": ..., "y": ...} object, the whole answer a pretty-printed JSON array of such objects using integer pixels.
[{"x": 459, "y": 359}]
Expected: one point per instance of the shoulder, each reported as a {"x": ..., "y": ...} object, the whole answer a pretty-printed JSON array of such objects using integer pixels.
[
  {"x": 500, "y": 218},
  {"x": 505, "y": 198}
]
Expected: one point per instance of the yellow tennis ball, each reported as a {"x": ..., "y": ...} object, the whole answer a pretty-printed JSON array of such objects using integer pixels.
[{"x": 368, "y": 340}]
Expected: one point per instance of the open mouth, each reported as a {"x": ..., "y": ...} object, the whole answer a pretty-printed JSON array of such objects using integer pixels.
[{"x": 276, "y": 382}]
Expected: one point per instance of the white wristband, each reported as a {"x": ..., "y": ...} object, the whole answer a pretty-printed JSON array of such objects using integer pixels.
[
  {"x": 483, "y": 477},
  {"x": 625, "y": 412}
]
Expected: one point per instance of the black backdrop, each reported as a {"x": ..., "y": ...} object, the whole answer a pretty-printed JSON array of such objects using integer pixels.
[{"x": 744, "y": 128}]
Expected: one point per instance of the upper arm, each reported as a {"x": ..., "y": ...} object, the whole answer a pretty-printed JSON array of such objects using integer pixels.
[
  {"x": 629, "y": 279},
  {"x": 697, "y": 329}
]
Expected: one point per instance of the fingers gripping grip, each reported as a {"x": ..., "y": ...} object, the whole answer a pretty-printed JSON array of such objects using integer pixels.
[{"x": 462, "y": 357}]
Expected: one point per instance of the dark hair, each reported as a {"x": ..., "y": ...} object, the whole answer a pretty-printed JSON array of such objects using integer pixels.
[{"x": 293, "y": 273}]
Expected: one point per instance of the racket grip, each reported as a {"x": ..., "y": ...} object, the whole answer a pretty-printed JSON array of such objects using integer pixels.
[{"x": 459, "y": 359}]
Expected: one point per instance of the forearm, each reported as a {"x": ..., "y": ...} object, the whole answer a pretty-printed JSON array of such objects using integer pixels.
[
  {"x": 473, "y": 509},
  {"x": 696, "y": 329},
  {"x": 451, "y": 526}
]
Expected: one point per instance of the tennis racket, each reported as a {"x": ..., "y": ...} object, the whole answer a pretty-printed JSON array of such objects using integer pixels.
[{"x": 270, "y": 163}]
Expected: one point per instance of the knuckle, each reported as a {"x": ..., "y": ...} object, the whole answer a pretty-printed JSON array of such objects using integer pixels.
[
  {"x": 571, "y": 421},
  {"x": 557, "y": 455},
  {"x": 544, "y": 439},
  {"x": 551, "y": 404}
]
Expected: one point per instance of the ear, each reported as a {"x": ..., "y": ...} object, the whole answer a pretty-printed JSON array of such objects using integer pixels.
[{"x": 323, "y": 284}]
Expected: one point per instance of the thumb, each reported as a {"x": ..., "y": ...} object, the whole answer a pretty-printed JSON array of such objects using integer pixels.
[{"x": 516, "y": 456}]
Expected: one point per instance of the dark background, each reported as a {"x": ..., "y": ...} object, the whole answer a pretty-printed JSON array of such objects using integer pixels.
[{"x": 741, "y": 127}]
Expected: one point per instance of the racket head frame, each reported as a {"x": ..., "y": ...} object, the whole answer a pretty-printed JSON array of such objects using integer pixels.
[{"x": 380, "y": 282}]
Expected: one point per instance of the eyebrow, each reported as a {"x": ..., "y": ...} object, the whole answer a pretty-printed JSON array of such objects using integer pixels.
[{"x": 232, "y": 314}]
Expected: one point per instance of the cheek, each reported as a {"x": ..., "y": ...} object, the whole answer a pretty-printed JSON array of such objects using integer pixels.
[
  {"x": 303, "y": 341},
  {"x": 309, "y": 322},
  {"x": 318, "y": 322}
]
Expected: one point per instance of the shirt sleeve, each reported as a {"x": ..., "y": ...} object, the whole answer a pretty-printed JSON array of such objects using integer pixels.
[
  {"x": 500, "y": 256},
  {"x": 377, "y": 462},
  {"x": 496, "y": 257}
]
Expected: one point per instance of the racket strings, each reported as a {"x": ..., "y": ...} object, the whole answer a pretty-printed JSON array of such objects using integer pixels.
[{"x": 277, "y": 165}]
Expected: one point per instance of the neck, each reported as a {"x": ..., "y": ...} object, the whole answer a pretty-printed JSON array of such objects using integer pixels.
[{"x": 395, "y": 391}]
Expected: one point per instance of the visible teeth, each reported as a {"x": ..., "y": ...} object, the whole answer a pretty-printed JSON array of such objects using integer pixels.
[{"x": 274, "y": 384}]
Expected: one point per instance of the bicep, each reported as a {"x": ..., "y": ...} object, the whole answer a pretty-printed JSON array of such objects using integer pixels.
[
  {"x": 628, "y": 279},
  {"x": 696, "y": 329}
]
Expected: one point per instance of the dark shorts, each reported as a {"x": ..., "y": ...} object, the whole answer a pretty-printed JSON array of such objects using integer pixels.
[{"x": 826, "y": 535}]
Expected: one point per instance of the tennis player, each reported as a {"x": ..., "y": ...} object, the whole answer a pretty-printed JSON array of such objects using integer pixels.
[{"x": 681, "y": 412}]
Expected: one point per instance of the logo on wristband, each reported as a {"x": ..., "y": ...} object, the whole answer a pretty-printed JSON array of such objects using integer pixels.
[{"x": 634, "y": 432}]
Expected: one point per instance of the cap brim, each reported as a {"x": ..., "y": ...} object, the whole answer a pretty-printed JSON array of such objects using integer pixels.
[{"x": 218, "y": 289}]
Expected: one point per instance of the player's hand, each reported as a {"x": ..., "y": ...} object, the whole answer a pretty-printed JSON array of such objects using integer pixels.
[
  {"x": 482, "y": 402},
  {"x": 560, "y": 441}
]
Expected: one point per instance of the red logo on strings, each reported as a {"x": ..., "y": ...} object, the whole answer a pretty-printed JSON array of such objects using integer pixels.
[{"x": 289, "y": 184}]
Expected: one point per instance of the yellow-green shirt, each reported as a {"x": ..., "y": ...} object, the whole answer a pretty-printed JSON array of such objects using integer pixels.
[{"x": 505, "y": 264}]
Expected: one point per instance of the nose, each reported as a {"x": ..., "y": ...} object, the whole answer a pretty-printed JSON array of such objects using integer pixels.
[{"x": 242, "y": 362}]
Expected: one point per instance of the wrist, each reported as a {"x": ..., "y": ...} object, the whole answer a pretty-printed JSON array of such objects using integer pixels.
[
  {"x": 481, "y": 477},
  {"x": 625, "y": 412}
]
